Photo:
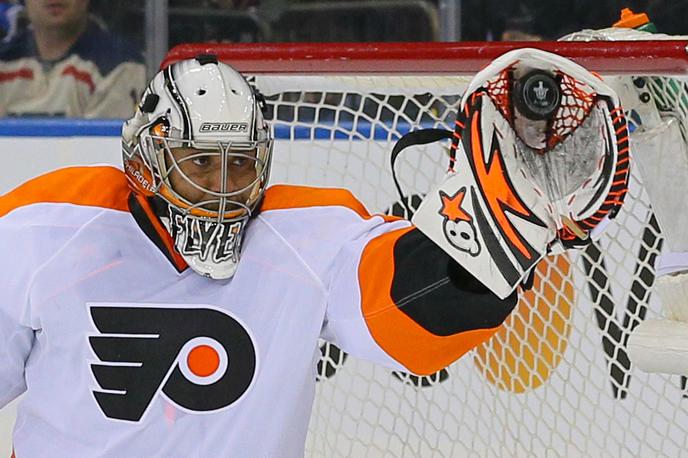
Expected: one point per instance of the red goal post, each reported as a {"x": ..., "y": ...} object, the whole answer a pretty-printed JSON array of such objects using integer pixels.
[
  {"x": 659, "y": 57},
  {"x": 556, "y": 379}
]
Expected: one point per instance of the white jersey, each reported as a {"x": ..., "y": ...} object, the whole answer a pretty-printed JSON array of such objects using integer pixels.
[{"x": 124, "y": 353}]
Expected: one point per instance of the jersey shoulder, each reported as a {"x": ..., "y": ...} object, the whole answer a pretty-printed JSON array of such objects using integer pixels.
[
  {"x": 293, "y": 197},
  {"x": 320, "y": 213},
  {"x": 318, "y": 223},
  {"x": 38, "y": 218},
  {"x": 91, "y": 186}
]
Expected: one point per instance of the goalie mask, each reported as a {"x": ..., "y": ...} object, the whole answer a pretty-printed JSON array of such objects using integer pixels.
[{"x": 198, "y": 153}]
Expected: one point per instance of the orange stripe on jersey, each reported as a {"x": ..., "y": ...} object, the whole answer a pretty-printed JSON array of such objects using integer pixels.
[
  {"x": 104, "y": 187},
  {"x": 281, "y": 197},
  {"x": 394, "y": 331}
]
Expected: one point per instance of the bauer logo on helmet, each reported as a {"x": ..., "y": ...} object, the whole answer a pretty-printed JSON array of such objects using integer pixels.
[{"x": 224, "y": 127}]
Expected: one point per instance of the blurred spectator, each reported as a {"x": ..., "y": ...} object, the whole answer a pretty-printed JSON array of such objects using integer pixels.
[
  {"x": 235, "y": 21},
  {"x": 65, "y": 63},
  {"x": 519, "y": 35},
  {"x": 9, "y": 15},
  {"x": 520, "y": 27}
]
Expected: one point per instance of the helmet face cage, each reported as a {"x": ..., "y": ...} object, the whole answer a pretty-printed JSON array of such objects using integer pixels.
[
  {"x": 233, "y": 197},
  {"x": 211, "y": 173}
]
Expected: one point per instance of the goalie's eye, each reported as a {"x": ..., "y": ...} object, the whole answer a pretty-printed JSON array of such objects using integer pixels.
[
  {"x": 465, "y": 236},
  {"x": 238, "y": 161},
  {"x": 201, "y": 161}
]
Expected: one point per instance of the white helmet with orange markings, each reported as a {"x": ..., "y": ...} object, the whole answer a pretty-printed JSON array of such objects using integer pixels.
[{"x": 198, "y": 152}]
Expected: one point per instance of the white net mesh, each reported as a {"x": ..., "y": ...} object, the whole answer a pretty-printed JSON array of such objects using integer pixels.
[{"x": 555, "y": 380}]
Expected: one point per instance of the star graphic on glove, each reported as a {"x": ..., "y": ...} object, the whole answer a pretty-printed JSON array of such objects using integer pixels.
[{"x": 451, "y": 206}]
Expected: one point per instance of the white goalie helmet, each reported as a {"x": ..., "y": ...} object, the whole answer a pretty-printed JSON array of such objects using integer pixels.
[{"x": 198, "y": 152}]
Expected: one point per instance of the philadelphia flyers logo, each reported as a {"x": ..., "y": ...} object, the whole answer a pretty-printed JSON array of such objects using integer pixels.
[
  {"x": 458, "y": 225},
  {"x": 201, "y": 359}
]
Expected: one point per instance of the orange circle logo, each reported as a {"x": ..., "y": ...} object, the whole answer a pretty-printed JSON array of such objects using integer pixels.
[{"x": 203, "y": 361}]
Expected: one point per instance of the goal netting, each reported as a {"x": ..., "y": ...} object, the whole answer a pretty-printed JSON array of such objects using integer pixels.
[{"x": 556, "y": 379}]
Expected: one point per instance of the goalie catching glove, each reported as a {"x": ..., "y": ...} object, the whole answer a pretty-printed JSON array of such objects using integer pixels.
[{"x": 539, "y": 158}]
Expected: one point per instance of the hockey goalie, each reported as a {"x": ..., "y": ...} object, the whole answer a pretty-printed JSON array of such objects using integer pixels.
[{"x": 174, "y": 308}]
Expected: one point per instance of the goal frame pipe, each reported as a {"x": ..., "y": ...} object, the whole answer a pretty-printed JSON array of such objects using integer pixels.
[{"x": 655, "y": 57}]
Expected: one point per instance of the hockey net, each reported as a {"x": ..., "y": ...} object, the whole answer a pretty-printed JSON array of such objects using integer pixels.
[{"x": 556, "y": 379}]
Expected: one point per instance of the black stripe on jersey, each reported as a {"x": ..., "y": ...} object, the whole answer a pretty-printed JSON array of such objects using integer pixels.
[
  {"x": 147, "y": 227},
  {"x": 171, "y": 87},
  {"x": 438, "y": 294}
]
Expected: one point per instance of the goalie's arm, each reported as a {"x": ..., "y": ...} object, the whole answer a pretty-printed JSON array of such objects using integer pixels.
[{"x": 417, "y": 305}]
